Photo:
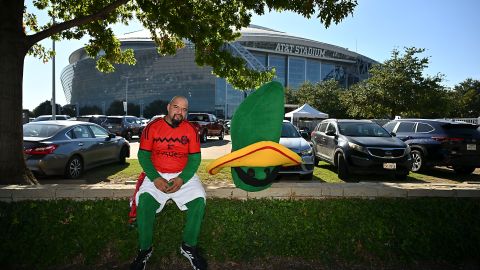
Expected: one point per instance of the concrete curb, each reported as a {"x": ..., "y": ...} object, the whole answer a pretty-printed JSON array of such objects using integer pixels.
[{"x": 290, "y": 190}]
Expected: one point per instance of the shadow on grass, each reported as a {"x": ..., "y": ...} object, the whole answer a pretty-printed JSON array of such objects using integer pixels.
[
  {"x": 92, "y": 176},
  {"x": 449, "y": 174},
  {"x": 101, "y": 173},
  {"x": 370, "y": 177}
]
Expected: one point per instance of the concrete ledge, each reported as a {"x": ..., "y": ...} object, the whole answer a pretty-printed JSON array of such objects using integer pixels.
[{"x": 282, "y": 190}]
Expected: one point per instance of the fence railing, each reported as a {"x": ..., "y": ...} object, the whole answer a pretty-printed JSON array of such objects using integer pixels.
[{"x": 467, "y": 120}]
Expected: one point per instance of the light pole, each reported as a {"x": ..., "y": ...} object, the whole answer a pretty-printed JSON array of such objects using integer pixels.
[
  {"x": 53, "y": 102},
  {"x": 125, "y": 105}
]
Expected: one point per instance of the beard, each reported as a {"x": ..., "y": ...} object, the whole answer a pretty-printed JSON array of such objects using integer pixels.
[{"x": 176, "y": 120}]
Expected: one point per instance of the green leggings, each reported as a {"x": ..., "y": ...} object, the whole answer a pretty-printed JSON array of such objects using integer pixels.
[{"x": 146, "y": 210}]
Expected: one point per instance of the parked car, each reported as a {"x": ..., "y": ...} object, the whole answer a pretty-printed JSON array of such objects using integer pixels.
[
  {"x": 126, "y": 126},
  {"x": 70, "y": 147},
  {"x": 50, "y": 117},
  {"x": 226, "y": 126},
  {"x": 98, "y": 119},
  {"x": 360, "y": 147},
  {"x": 292, "y": 139},
  {"x": 207, "y": 125},
  {"x": 439, "y": 143},
  {"x": 156, "y": 116}
]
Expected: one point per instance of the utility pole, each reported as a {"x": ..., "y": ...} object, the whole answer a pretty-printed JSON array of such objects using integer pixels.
[{"x": 54, "y": 104}]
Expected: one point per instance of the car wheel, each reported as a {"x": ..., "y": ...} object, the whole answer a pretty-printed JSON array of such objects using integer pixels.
[
  {"x": 204, "y": 136},
  {"x": 122, "y": 159},
  {"x": 463, "y": 170},
  {"x": 128, "y": 135},
  {"x": 307, "y": 176},
  {"x": 402, "y": 176},
  {"x": 417, "y": 161},
  {"x": 222, "y": 134},
  {"x": 74, "y": 168},
  {"x": 342, "y": 168}
]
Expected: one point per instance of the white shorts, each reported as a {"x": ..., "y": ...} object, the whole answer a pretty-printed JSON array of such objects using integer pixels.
[{"x": 188, "y": 192}]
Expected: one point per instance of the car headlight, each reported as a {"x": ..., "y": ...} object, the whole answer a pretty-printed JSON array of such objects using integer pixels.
[
  {"x": 357, "y": 147},
  {"x": 306, "y": 152}
]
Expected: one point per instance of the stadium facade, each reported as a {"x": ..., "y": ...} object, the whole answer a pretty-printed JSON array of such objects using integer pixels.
[{"x": 155, "y": 77}]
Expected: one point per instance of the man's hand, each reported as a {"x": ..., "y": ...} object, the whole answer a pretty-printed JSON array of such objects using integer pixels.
[
  {"x": 161, "y": 184},
  {"x": 174, "y": 184}
]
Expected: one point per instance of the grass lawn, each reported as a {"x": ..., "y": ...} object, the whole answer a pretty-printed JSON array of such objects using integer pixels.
[{"x": 323, "y": 173}]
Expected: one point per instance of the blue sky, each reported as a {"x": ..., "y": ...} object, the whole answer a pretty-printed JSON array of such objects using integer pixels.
[{"x": 448, "y": 30}]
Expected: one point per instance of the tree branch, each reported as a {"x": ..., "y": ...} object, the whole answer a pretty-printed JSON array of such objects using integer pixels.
[{"x": 57, "y": 28}]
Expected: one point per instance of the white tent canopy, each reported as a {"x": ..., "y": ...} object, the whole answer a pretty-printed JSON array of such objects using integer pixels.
[{"x": 306, "y": 111}]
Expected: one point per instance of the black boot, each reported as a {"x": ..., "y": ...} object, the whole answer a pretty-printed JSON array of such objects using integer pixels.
[
  {"x": 192, "y": 254},
  {"x": 141, "y": 260}
]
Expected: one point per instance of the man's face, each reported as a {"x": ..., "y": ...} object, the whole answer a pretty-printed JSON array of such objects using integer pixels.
[{"x": 177, "y": 110}]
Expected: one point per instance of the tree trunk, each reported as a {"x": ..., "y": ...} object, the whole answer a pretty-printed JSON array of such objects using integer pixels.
[{"x": 13, "y": 169}]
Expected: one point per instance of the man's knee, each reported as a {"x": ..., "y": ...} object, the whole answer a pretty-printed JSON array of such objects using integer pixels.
[
  {"x": 146, "y": 203},
  {"x": 197, "y": 205}
]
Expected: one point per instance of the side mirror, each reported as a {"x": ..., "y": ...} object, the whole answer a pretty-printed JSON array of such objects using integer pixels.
[
  {"x": 393, "y": 134},
  {"x": 330, "y": 133},
  {"x": 111, "y": 136}
]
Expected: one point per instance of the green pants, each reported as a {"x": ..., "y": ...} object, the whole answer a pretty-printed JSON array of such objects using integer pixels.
[{"x": 146, "y": 210}]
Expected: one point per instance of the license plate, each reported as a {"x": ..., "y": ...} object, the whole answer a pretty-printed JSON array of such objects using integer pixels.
[
  {"x": 390, "y": 166},
  {"x": 109, "y": 127},
  {"x": 471, "y": 147}
]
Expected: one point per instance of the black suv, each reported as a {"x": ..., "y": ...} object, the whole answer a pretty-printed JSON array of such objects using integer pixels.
[
  {"x": 439, "y": 143},
  {"x": 360, "y": 146},
  {"x": 125, "y": 126}
]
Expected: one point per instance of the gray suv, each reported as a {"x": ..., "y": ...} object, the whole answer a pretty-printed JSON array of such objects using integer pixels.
[
  {"x": 125, "y": 126},
  {"x": 360, "y": 147}
]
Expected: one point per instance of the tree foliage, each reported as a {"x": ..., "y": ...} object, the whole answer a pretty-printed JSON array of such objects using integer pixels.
[
  {"x": 397, "y": 87},
  {"x": 45, "y": 108},
  {"x": 324, "y": 96},
  {"x": 156, "y": 107},
  {"x": 468, "y": 98},
  {"x": 87, "y": 110},
  {"x": 207, "y": 24}
]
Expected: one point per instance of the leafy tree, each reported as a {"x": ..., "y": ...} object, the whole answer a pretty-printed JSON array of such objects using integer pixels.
[
  {"x": 468, "y": 93},
  {"x": 324, "y": 96},
  {"x": 69, "y": 110},
  {"x": 116, "y": 108},
  {"x": 156, "y": 107},
  {"x": 87, "y": 110},
  {"x": 291, "y": 96},
  {"x": 207, "y": 24},
  {"x": 396, "y": 87},
  {"x": 45, "y": 108},
  {"x": 363, "y": 101}
]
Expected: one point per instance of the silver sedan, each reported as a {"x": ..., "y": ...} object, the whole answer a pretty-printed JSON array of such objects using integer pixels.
[{"x": 70, "y": 147}]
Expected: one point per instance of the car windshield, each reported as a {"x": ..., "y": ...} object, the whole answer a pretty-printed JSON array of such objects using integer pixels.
[
  {"x": 197, "y": 117},
  {"x": 289, "y": 131},
  {"x": 113, "y": 120},
  {"x": 362, "y": 130},
  {"x": 40, "y": 130}
]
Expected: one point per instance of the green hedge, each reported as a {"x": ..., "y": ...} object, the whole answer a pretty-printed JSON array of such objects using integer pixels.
[{"x": 41, "y": 234}]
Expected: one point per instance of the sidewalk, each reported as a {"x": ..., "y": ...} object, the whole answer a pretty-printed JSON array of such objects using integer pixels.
[{"x": 282, "y": 190}]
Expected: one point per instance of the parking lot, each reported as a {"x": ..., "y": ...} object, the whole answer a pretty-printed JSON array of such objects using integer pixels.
[{"x": 215, "y": 148}]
